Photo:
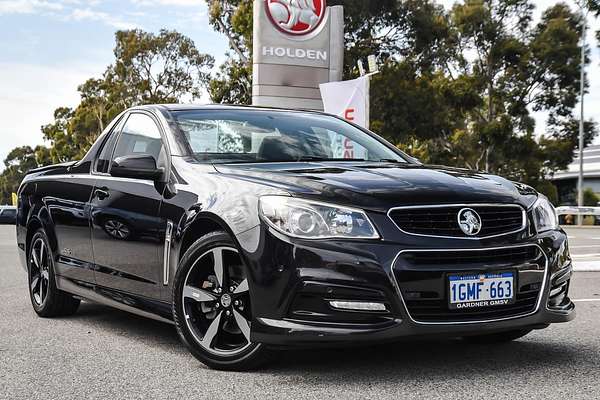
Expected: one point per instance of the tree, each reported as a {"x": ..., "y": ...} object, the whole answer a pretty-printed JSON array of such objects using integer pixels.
[
  {"x": 421, "y": 106},
  {"x": 459, "y": 87},
  {"x": 514, "y": 67},
  {"x": 60, "y": 135},
  {"x": 407, "y": 27},
  {"x": 590, "y": 199},
  {"x": 234, "y": 19},
  {"x": 518, "y": 68},
  {"x": 466, "y": 96},
  {"x": 233, "y": 83},
  {"x": 17, "y": 163},
  {"x": 412, "y": 30},
  {"x": 161, "y": 68},
  {"x": 148, "y": 68}
]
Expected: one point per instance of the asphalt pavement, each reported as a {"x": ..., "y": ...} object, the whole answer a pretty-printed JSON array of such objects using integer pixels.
[
  {"x": 101, "y": 353},
  {"x": 584, "y": 243}
]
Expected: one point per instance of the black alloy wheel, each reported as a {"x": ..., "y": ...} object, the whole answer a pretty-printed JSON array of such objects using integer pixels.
[
  {"x": 47, "y": 300},
  {"x": 212, "y": 305}
]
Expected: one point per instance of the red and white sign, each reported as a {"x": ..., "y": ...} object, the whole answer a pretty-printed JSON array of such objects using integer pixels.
[
  {"x": 348, "y": 99},
  {"x": 296, "y": 17}
]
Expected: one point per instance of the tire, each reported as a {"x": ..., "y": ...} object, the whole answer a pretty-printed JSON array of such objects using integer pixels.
[
  {"x": 46, "y": 299},
  {"x": 496, "y": 338},
  {"x": 211, "y": 306}
]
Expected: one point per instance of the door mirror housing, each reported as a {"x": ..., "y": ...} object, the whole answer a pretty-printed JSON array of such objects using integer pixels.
[{"x": 139, "y": 166}]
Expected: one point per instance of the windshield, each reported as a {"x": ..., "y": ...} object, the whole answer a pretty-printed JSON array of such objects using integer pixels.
[{"x": 272, "y": 136}]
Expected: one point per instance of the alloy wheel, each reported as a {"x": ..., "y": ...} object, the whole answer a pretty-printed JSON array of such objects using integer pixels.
[
  {"x": 39, "y": 270},
  {"x": 216, "y": 302}
]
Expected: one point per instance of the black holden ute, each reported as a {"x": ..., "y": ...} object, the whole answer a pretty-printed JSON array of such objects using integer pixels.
[{"x": 255, "y": 229}]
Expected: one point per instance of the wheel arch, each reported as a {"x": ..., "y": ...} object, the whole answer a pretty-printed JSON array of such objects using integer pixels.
[
  {"x": 202, "y": 224},
  {"x": 41, "y": 219}
]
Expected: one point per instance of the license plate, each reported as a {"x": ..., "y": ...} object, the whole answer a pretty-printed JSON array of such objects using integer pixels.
[{"x": 481, "y": 290}]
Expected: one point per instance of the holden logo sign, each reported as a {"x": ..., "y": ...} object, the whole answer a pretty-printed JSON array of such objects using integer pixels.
[
  {"x": 296, "y": 17},
  {"x": 469, "y": 221}
]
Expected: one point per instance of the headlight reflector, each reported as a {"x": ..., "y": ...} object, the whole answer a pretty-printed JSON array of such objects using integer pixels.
[
  {"x": 314, "y": 220},
  {"x": 544, "y": 215}
]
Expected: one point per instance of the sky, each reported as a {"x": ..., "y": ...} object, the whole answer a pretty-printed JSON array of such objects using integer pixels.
[{"x": 49, "y": 47}]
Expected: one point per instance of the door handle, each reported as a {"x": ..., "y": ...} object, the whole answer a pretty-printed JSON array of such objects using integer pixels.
[{"x": 101, "y": 193}]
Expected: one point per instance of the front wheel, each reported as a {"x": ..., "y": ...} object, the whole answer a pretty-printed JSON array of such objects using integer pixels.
[
  {"x": 211, "y": 305},
  {"x": 499, "y": 337}
]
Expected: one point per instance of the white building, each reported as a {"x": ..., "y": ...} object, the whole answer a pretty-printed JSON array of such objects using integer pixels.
[{"x": 566, "y": 181}]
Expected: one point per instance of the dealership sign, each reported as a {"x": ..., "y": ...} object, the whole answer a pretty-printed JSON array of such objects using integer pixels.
[
  {"x": 295, "y": 53},
  {"x": 298, "y": 44},
  {"x": 296, "y": 17}
]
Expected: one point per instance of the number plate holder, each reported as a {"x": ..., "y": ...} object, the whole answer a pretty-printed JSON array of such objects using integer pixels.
[{"x": 467, "y": 291}]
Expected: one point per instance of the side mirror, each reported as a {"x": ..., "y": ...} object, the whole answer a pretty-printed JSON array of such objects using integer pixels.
[{"x": 139, "y": 166}]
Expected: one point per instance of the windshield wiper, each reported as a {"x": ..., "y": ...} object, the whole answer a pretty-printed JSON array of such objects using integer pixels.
[{"x": 392, "y": 160}]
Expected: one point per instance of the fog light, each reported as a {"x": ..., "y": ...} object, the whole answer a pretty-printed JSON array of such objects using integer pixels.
[{"x": 357, "y": 305}]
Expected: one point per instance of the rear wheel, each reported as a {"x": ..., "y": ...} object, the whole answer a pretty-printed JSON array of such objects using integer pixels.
[
  {"x": 212, "y": 308},
  {"x": 500, "y": 337},
  {"x": 46, "y": 299}
]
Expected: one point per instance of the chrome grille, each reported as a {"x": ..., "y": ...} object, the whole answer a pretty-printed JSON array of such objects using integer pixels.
[
  {"x": 442, "y": 220},
  {"x": 422, "y": 278}
]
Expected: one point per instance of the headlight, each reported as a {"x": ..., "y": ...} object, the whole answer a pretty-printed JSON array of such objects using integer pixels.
[
  {"x": 544, "y": 215},
  {"x": 314, "y": 220}
]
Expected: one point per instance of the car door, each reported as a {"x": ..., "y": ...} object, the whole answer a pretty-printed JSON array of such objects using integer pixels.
[
  {"x": 67, "y": 199},
  {"x": 126, "y": 228}
]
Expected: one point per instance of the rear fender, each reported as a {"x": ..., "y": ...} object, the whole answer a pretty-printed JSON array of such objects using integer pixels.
[{"x": 39, "y": 216}]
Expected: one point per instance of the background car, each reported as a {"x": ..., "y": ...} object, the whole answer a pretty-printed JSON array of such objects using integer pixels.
[{"x": 8, "y": 215}]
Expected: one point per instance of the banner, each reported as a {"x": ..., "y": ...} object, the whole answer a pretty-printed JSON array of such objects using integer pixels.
[{"x": 348, "y": 99}]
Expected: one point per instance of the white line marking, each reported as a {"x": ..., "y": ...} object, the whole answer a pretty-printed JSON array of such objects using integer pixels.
[
  {"x": 585, "y": 300},
  {"x": 595, "y": 246},
  {"x": 585, "y": 255}
]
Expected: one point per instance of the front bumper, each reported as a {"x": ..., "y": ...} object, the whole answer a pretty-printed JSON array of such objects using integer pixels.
[{"x": 292, "y": 282}]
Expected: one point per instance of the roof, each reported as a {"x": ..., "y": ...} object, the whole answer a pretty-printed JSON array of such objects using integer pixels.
[{"x": 190, "y": 107}]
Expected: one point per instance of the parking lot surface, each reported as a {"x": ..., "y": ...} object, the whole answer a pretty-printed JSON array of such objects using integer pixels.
[
  {"x": 584, "y": 243},
  {"x": 101, "y": 353}
]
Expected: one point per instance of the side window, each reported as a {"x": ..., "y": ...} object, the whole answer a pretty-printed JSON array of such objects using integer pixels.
[
  {"x": 140, "y": 135},
  {"x": 103, "y": 160}
]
